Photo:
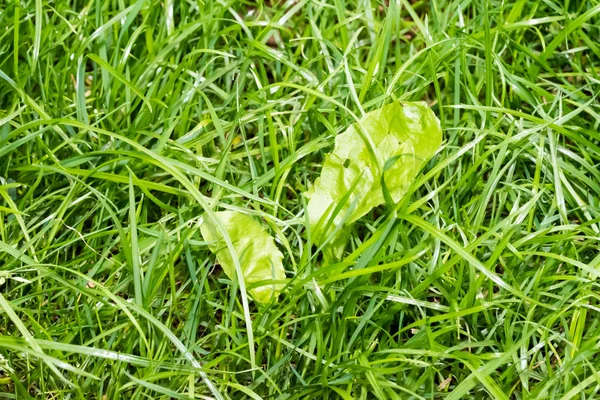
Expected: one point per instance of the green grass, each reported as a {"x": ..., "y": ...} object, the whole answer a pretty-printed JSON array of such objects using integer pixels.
[{"x": 122, "y": 125}]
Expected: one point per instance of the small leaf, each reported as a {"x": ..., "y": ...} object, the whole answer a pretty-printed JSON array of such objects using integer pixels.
[
  {"x": 257, "y": 253},
  {"x": 391, "y": 142}
]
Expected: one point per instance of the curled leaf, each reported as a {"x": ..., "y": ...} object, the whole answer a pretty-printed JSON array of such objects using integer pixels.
[
  {"x": 393, "y": 141},
  {"x": 255, "y": 249}
]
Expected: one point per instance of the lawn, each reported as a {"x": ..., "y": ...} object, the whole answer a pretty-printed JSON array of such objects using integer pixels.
[{"x": 126, "y": 125}]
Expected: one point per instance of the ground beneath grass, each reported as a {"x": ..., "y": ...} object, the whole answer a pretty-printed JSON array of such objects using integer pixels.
[{"x": 122, "y": 123}]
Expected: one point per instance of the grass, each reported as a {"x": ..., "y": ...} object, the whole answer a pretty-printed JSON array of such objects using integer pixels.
[{"x": 122, "y": 125}]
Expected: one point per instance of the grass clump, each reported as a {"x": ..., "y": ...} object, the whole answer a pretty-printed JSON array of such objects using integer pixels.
[{"x": 121, "y": 125}]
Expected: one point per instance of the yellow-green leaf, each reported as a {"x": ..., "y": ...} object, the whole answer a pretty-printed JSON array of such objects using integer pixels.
[
  {"x": 255, "y": 249},
  {"x": 399, "y": 136}
]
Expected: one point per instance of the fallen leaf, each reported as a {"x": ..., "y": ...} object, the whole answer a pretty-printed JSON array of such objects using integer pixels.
[
  {"x": 395, "y": 141},
  {"x": 255, "y": 249}
]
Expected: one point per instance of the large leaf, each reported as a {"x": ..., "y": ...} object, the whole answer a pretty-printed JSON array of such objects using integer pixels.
[
  {"x": 399, "y": 137},
  {"x": 255, "y": 249}
]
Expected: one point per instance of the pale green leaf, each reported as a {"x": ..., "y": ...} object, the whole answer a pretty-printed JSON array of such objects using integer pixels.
[
  {"x": 399, "y": 136},
  {"x": 255, "y": 249}
]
